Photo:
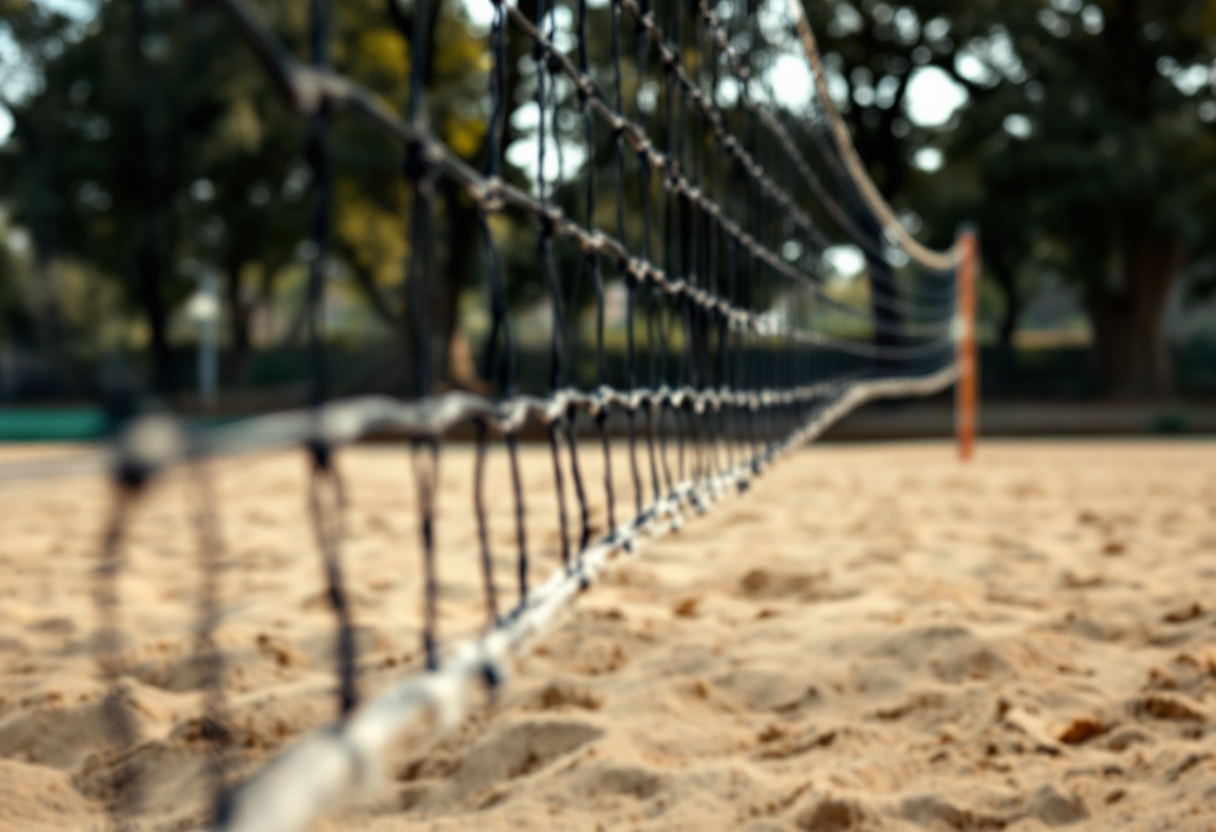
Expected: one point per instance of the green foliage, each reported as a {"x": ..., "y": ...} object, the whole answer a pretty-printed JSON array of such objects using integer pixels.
[
  {"x": 234, "y": 189},
  {"x": 1086, "y": 146}
]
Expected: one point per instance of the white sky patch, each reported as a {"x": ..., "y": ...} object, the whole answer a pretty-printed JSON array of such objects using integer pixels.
[
  {"x": 838, "y": 88},
  {"x": 973, "y": 69},
  {"x": 481, "y": 12},
  {"x": 791, "y": 81},
  {"x": 15, "y": 82},
  {"x": 933, "y": 97},
  {"x": 929, "y": 159},
  {"x": 18, "y": 78},
  {"x": 1019, "y": 126},
  {"x": 523, "y": 154},
  {"x": 846, "y": 261},
  {"x": 80, "y": 10}
]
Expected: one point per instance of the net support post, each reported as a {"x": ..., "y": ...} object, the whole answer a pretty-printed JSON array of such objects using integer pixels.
[{"x": 966, "y": 398}]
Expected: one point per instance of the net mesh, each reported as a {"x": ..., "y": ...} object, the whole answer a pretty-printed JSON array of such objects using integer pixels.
[{"x": 687, "y": 244}]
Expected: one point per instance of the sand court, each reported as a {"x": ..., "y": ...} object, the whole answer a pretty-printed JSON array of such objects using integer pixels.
[{"x": 874, "y": 637}]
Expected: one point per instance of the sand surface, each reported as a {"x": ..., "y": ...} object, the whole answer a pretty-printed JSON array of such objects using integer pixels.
[{"x": 873, "y": 638}]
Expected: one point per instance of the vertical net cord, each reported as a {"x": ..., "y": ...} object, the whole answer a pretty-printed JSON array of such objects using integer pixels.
[
  {"x": 108, "y": 646},
  {"x": 601, "y": 366},
  {"x": 671, "y": 259},
  {"x": 111, "y": 663},
  {"x": 554, "y": 427},
  {"x": 729, "y": 357},
  {"x": 589, "y": 264},
  {"x": 766, "y": 367},
  {"x": 764, "y": 342},
  {"x": 709, "y": 320},
  {"x": 215, "y": 727},
  {"x": 756, "y": 288},
  {"x": 571, "y": 417},
  {"x": 789, "y": 350},
  {"x": 501, "y": 317},
  {"x": 420, "y": 172},
  {"x": 698, "y": 266},
  {"x": 327, "y": 496},
  {"x": 501, "y": 372},
  {"x": 631, "y": 380},
  {"x": 483, "y": 531},
  {"x": 327, "y": 505},
  {"x": 643, "y": 155},
  {"x": 730, "y": 338},
  {"x": 683, "y": 249},
  {"x": 553, "y": 286},
  {"x": 426, "y": 477},
  {"x": 754, "y": 341},
  {"x": 580, "y": 492}
]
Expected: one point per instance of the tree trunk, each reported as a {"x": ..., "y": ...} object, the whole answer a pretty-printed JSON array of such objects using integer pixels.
[
  {"x": 1006, "y": 278},
  {"x": 240, "y": 321},
  {"x": 51, "y": 320},
  {"x": 1129, "y": 323},
  {"x": 151, "y": 258},
  {"x": 44, "y": 220},
  {"x": 463, "y": 226}
]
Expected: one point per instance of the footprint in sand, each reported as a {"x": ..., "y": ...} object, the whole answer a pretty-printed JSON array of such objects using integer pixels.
[{"x": 520, "y": 750}]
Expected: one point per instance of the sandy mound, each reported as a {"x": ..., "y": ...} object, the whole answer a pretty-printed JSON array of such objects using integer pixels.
[{"x": 872, "y": 638}]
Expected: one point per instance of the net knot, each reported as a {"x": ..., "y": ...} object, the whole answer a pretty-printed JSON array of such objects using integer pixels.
[
  {"x": 550, "y": 218},
  {"x": 420, "y": 158},
  {"x": 322, "y": 453},
  {"x": 489, "y": 195},
  {"x": 633, "y": 271},
  {"x": 146, "y": 446},
  {"x": 491, "y": 675},
  {"x": 310, "y": 89},
  {"x": 668, "y": 58},
  {"x": 593, "y": 243}
]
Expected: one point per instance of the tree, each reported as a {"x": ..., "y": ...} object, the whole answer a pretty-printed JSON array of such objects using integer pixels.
[
  {"x": 147, "y": 182},
  {"x": 156, "y": 160},
  {"x": 1085, "y": 133}
]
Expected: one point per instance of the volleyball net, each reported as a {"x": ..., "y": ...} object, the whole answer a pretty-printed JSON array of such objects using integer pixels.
[{"x": 691, "y": 204}]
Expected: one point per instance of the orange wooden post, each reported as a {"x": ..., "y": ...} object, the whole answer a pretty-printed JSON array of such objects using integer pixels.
[{"x": 966, "y": 397}]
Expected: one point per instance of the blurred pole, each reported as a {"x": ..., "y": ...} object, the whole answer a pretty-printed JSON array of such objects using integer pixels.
[{"x": 966, "y": 399}]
